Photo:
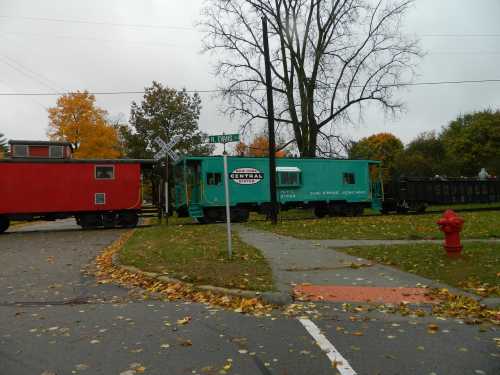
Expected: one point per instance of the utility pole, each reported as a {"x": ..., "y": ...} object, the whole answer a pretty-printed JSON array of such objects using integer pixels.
[{"x": 270, "y": 122}]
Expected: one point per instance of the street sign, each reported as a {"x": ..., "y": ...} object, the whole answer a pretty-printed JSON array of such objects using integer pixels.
[
  {"x": 160, "y": 142},
  {"x": 173, "y": 142},
  {"x": 166, "y": 149},
  {"x": 173, "y": 155},
  {"x": 224, "y": 138},
  {"x": 159, "y": 155}
]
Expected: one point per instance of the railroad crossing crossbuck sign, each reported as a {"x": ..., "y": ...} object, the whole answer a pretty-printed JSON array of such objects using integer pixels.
[{"x": 166, "y": 148}]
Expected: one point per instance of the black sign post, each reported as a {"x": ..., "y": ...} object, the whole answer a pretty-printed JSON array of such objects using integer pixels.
[{"x": 270, "y": 121}]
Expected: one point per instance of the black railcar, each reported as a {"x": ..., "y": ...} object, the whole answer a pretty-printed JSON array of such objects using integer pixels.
[{"x": 415, "y": 194}]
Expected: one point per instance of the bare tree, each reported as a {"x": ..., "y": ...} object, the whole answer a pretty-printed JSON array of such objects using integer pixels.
[{"x": 328, "y": 58}]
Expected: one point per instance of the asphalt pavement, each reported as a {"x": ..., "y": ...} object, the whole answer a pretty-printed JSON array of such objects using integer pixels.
[{"x": 47, "y": 324}]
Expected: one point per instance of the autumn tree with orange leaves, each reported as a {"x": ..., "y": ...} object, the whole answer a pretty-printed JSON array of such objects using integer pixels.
[
  {"x": 259, "y": 147},
  {"x": 77, "y": 119},
  {"x": 385, "y": 147}
]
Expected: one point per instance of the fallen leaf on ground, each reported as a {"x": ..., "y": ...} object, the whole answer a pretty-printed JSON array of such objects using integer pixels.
[
  {"x": 184, "y": 320},
  {"x": 186, "y": 343},
  {"x": 336, "y": 363},
  {"x": 106, "y": 272},
  {"x": 432, "y": 328}
]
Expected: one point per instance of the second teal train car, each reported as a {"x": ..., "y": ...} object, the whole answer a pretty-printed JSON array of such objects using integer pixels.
[{"x": 329, "y": 186}]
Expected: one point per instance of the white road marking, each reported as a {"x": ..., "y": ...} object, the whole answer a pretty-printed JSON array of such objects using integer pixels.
[{"x": 332, "y": 353}]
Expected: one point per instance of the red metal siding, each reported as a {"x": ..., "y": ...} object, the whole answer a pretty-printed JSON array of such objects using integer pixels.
[
  {"x": 66, "y": 187},
  {"x": 38, "y": 151}
]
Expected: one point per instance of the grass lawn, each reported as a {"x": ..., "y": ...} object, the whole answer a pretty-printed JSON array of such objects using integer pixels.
[
  {"x": 198, "y": 254},
  {"x": 483, "y": 224},
  {"x": 465, "y": 206},
  {"x": 478, "y": 266}
]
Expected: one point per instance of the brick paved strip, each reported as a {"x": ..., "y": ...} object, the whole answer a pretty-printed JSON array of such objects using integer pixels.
[{"x": 344, "y": 293}]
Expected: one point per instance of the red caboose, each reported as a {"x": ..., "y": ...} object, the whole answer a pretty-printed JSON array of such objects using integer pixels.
[{"x": 96, "y": 192}]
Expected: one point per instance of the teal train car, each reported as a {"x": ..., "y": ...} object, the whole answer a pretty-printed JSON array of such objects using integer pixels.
[{"x": 329, "y": 186}]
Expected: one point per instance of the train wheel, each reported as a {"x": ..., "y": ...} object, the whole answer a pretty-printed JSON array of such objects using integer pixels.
[
  {"x": 182, "y": 212},
  {"x": 420, "y": 208},
  {"x": 320, "y": 211},
  {"x": 358, "y": 210},
  {"x": 239, "y": 215},
  {"x": 349, "y": 210},
  {"x": 89, "y": 221},
  {"x": 213, "y": 215},
  {"x": 244, "y": 215},
  {"x": 202, "y": 220},
  {"x": 128, "y": 219},
  {"x": 4, "y": 223},
  {"x": 402, "y": 210},
  {"x": 109, "y": 220}
]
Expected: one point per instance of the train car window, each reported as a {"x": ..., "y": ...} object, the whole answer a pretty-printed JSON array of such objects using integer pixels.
[
  {"x": 289, "y": 178},
  {"x": 56, "y": 152},
  {"x": 214, "y": 178},
  {"x": 104, "y": 172},
  {"x": 349, "y": 179},
  {"x": 100, "y": 198},
  {"x": 21, "y": 151}
]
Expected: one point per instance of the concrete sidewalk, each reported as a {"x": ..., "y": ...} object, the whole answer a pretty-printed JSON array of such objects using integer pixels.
[{"x": 296, "y": 262}]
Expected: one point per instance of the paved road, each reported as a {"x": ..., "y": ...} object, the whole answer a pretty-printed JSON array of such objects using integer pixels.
[{"x": 41, "y": 271}]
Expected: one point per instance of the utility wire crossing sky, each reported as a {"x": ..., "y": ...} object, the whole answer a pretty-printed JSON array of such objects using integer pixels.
[{"x": 56, "y": 47}]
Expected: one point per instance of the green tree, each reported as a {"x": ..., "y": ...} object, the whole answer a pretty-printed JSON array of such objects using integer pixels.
[
  {"x": 164, "y": 113},
  {"x": 425, "y": 156},
  {"x": 472, "y": 142},
  {"x": 3, "y": 146},
  {"x": 385, "y": 147}
]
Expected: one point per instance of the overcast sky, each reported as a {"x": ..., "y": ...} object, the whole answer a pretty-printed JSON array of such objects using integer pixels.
[{"x": 113, "y": 45}]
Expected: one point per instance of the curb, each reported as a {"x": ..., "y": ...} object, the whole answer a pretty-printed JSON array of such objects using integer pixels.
[
  {"x": 492, "y": 302},
  {"x": 273, "y": 298}
]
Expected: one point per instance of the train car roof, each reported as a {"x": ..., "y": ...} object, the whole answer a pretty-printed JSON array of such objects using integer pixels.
[
  {"x": 79, "y": 161},
  {"x": 265, "y": 157},
  {"x": 38, "y": 143}
]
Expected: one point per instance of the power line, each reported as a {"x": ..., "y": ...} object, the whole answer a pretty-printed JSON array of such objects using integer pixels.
[
  {"x": 448, "y": 82},
  {"x": 212, "y": 91},
  {"x": 33, "y": 75},
  {"x": 475, "y": 53},
  {"x": 91, "y": 39},
  {"x": 27, "y": 75},
  {"x": 153, "y": 44},
  {"x": 87, "y": 22},
  {"x": 437, "y": 35},
  {"x": 148, "y": 26}
]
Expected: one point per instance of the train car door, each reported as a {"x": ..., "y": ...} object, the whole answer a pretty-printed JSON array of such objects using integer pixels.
[
  {"x": 376, "y": 185},
  {"x": 214, "y": 184},
  {"x": 193, "y": 182}
]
